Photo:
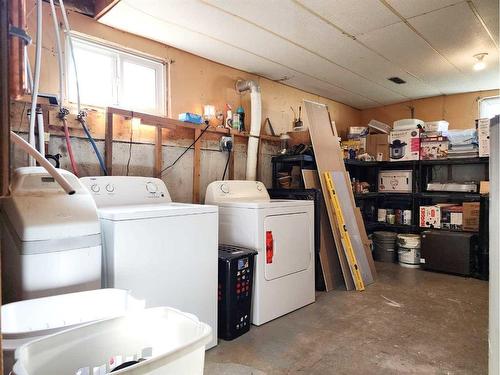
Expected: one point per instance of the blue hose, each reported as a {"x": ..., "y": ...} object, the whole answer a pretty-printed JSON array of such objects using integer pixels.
[{"x": 94, "y": 146}]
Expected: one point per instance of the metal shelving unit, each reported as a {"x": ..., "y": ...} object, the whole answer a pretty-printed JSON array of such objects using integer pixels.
[{"x": 422, "y": 172}]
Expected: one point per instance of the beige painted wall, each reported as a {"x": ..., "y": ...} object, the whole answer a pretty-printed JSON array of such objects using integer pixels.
[
  {"x": 195, "y": 81},
  {"x": 459, "y": 110}
]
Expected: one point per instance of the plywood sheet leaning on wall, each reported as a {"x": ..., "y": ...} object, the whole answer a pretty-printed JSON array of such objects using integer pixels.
[
  {"x": 329, "y": 159},
  {"x": 343, "y": 189},
  {"x": 333, "y": 262}
]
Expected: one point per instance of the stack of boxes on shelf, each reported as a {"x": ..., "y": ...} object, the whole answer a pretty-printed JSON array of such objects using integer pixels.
[
  {"x": 464, "y": 217},
  {"x": 355, "y": 145}
]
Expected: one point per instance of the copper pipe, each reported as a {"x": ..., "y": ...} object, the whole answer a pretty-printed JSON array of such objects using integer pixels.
[
  {"x": 4, "y": 103},
  {"x": 18, "y": 82}
]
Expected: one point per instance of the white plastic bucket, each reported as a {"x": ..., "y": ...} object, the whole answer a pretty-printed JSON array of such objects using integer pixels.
[
  {"x": 409, "y": 250},
  {"x": 25, "y": 321},
  {"x": 173, "y": 342}
]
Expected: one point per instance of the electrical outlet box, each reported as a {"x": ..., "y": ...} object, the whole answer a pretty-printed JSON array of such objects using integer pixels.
[{"x": 226, "y": 143}]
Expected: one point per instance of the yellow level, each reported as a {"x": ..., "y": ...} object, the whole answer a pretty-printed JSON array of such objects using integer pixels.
[{"x": 344, "y": 234}]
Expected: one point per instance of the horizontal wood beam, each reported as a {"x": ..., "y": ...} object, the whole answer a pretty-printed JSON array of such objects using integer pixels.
[{"x": 103, "y": 6}]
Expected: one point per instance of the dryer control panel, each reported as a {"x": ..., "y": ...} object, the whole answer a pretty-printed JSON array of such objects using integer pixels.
[
  {"x": 235, "y": 190},
  {"x": 111, "y": 191}
]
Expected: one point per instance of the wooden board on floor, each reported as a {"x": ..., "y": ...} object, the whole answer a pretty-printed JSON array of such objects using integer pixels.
[
  {"x": 333, "y": 261},
  {"x": 329, "y": 159}
]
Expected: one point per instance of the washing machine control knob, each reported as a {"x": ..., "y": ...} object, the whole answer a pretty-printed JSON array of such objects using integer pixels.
[
  {"x": 224, "y": 188},
  {"x": 151, "y": 187},
  {"x": 110, "y": 188},
  {"x": 259, "y": 187},
  {"x": 95, "y": 188}
]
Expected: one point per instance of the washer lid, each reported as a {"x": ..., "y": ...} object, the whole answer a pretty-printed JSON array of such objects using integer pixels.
[
  {"x": 268, "y": 203},
  {"x": 151, "y": 211}
]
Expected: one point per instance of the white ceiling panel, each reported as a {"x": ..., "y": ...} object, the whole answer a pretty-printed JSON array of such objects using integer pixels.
[
  {"x": 353, "y": 16},
  {"x": 260, "y": 43},
  {"x": 324, "y": 89},
  {"x": 196, "y": 43},
  {"x": 401, "y": 45},
  {"x": 289, "y": 21},
  {"x": 458, "y": 38},
  {"x": 303, "y": 41},
  {"x": 412, "y": 8},
  {"x": 489, "y": 12}
]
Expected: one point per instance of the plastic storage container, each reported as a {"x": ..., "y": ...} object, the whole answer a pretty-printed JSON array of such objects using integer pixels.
[
  {"x": 170, "y": 341},
  {"x": 236, "y": 267},
  {"x": 29, "y": 320}
]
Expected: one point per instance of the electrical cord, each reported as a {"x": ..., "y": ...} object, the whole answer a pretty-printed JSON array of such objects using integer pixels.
[
  {"x": 186, "y": 150},
  {"x": 227, "y": 163},
  {"x": 130, "y": 148}
]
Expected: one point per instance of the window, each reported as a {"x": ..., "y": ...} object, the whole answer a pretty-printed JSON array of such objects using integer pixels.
[
  {"x": 489, "y": 107},
  {"x": 110, "y": 77}
]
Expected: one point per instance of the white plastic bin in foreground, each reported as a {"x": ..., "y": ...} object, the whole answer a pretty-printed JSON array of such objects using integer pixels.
[
  {"x": 172, "y": 342},
  {"x": 25, "y": 321}
]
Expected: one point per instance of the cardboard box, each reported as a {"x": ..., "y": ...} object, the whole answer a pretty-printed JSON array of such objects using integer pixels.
[
  {"x": 483, "y": 135},
  {"x": 433, "y": 148},
  {"x": 436, "y": 126},
  {"x": 430, "y": 216},
  {"x": 378, "y": 144},
  {"x": 404, "y": 145},
  {"x": 395, "y": 181},
  {"x": 484, "y": 187},
  {"x": 451, "y": 217},
  {"x": 470, "y": 217},
  {"x": 357, "y": 131}
]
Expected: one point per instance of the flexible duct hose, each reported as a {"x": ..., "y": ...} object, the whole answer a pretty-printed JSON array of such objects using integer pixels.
[
  {"x": 255, "y": 124},
  {"x": 36, "y": 79}
]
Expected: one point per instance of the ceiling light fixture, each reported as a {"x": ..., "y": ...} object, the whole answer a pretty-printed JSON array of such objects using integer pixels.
[{"x": 480, "y": 64}]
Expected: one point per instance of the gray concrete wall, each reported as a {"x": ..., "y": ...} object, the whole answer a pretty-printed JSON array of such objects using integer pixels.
[{"x": 178, "y": 179}]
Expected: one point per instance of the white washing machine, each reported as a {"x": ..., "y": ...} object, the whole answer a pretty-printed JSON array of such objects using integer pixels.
[
  {"x": 51, "y": 241},
  {"x": 165, "y": 253},
  {"x": 282, "y": 232}
]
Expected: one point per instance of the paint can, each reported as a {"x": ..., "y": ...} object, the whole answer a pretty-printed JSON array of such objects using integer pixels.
[
  {"x": 409, "y": 250},
  {"x": 381, "y": 214},
  {"x": 384, "y": 246},
  {"x": 406, "y": 217}
]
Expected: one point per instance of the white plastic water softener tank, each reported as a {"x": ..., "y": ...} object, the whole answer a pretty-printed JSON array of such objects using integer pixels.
[{"x": 51, "y": 241}]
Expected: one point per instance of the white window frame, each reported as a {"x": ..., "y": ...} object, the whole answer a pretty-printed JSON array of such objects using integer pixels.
[
  {"x": 121, "y": 55},
  {"x": 480, "y": 101}
]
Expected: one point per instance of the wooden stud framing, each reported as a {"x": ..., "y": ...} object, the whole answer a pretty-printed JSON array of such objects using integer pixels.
[
  {"x": 196, "y": 167},
  {"x": 158, "y": 152},
  {"x": 167, "y": 123},
  {"x": 108, "y": 143}
]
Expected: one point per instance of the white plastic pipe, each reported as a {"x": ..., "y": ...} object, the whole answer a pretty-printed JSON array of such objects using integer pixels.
[
  {"x": 36, "y": 79},
  {"x": 43, "y": 162},
  {"x": 255, "y": 124},
  {"x": 41, "y": 131},
  {"x": 59, "y": 52},
  {"x": 67, "y": 31}
]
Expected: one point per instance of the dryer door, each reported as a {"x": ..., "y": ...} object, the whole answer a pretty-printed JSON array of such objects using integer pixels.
[{"x": 287, "y": 244}]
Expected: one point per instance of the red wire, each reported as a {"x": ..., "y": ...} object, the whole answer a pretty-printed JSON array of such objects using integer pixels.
[{"x": 70, "y": 150}]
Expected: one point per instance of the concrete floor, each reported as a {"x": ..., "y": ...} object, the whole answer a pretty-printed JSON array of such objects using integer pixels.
[{"x": 408, "y": 322}]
